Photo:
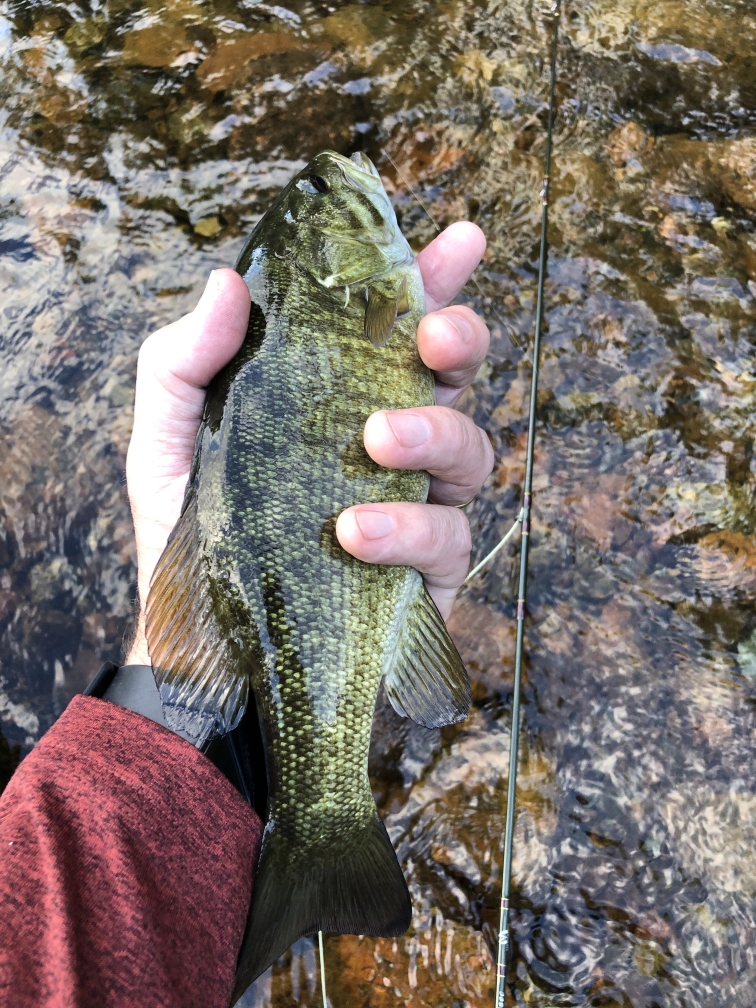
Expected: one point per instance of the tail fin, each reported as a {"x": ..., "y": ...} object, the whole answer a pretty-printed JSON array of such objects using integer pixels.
[{"x": 358, "y": 889}]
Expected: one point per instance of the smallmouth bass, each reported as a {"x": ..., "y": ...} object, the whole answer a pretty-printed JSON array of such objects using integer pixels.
[{"x": 253, "y": 590}]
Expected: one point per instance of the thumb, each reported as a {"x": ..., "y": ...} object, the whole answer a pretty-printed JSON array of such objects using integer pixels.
[
  {"x": 177, "y": 362},
  {"x": 196, "y": 347}
]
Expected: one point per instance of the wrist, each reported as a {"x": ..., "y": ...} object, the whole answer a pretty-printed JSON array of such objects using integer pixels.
[{"x": 138, "y": 653}]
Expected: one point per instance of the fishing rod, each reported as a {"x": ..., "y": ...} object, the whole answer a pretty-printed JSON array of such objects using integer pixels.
[
  {"x": 502, "y": 957},
  {"x": 522, "y": 521}
]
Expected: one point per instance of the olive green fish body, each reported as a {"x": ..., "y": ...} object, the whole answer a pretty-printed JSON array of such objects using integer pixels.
[
  {"x": 292, "y": 423},
  {"x": 255, "y": 590}
]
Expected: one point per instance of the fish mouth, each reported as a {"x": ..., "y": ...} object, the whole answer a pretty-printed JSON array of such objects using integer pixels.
[{"x": 358, "y": 172}]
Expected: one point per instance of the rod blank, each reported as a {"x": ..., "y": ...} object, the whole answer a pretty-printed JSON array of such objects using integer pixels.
[{"x": 502, "y": 958}]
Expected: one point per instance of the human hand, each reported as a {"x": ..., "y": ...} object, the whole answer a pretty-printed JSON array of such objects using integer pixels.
[
  {"x": 453, "y": 342},
  {"x": 176, "y": 364}
]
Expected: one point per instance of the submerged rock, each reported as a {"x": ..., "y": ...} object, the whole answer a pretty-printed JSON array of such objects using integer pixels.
[{"x": 134, "y": 146}]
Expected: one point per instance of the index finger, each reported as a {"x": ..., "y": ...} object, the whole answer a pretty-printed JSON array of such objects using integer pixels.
[{"x": 448, "y": 262}]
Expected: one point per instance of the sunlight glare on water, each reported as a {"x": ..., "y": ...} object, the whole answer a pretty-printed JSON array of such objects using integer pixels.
[{"x": 139, "y": 145}]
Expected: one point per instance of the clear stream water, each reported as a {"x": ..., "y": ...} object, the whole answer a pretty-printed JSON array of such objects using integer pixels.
[{"x": 139, "y": 146}]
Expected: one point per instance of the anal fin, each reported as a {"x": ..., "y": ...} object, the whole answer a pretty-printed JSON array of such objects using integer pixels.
[
  {"x": 427, "y": 680},
  {"x": 198, "y": 668}
]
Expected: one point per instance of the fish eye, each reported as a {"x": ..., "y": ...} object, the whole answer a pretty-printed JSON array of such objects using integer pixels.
[{"x": 313, "y": 185}]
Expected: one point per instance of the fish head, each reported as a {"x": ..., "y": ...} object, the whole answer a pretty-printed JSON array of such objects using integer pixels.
[{"x": 336, "y": 222}]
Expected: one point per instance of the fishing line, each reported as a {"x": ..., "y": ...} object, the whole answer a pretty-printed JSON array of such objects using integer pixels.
[
  {"x": 404, "y": 179},
  {"x": 322, "y": 970},
  {"x": 502, "y": 956},
  {"x": 435, "y": 224},
  {"x": 487, "y": 559}
]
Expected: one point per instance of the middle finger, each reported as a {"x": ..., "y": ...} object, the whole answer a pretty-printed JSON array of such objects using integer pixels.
[
  {"x": 447, "y": 444},
  {"x": 453, "y": 343}
]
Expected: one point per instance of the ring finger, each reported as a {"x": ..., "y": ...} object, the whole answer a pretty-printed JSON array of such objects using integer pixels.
[{"x": 433, "y": 539}]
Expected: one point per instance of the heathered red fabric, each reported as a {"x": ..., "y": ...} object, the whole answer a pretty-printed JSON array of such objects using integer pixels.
[{"x": 126, "y": 864}]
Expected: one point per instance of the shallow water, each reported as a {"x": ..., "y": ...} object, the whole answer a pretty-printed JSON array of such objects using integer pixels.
[{"x": 140, "y": 144}]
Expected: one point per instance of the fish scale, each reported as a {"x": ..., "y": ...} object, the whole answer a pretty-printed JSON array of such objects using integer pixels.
[
  {"x": 362, "y": 596},
  {"x": 254, "y": 573}
]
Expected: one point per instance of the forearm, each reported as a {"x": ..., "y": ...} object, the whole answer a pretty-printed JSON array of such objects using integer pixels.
[
  {"x": 137, "y": 652},
  {"x": 126, "y": 869}
]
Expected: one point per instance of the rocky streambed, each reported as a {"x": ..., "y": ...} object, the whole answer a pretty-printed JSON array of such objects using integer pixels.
[{"x": 140, "y": 144}]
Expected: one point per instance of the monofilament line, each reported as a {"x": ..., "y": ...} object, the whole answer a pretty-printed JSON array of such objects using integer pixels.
[
  {"x": 406, "y": 181},
  {"x": 435, "y": 224},
  {"x": 487, "y": 559},
  {"x": 322, "y": 970},
  {"x": 502, "y": 957}
]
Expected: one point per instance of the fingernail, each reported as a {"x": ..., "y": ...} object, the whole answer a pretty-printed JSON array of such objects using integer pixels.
[
  {"x": 463, "y": 329},
  {"x": 374, "y": 524},
  {"x": 210, "y": 287},
  {"x": 410, "y": 430}
]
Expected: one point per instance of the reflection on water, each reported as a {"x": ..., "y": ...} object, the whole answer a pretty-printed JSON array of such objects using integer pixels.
[{"x": 140, "y": 144}]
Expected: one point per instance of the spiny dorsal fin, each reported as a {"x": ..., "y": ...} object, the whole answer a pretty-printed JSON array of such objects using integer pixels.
[
  {"x": 380, "y": 315},
  {"x": 427, "y": 680},
  {"x": 198, "y": 668}
]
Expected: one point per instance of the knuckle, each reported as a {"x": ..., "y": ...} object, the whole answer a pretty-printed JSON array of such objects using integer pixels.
[
  {"x": 488, "y": 453},
  {"x": 150, "y": 351},
  {"x": 463, "y": 311},
  {"x": 461, "y": 452},
  {"x": 464, "y": 534},
  {"x": 457, "y": 425},
  {"x": 475, "y": 449},
  {"x": 147, "y": 348},
  {"x": 448, "y": 534}
]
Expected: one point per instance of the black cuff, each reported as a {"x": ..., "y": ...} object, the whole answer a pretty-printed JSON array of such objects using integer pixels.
[
  {"x": 131, "y": 686},
  {"x": 239, "y": 755}
]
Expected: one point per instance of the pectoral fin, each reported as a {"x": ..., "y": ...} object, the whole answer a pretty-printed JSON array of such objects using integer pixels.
[
  {"x": 427, "y": 680},
  {"x": 199, "y": 667},
  {"x": 402, "y": 299},
  {"x": 380, "y": 315}
]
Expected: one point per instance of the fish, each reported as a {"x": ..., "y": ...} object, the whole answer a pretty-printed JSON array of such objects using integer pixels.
[{"x": 255, "y": 602}]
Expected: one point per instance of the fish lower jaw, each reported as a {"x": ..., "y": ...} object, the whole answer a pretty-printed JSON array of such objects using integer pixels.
[{"x": 336, "y": 280}]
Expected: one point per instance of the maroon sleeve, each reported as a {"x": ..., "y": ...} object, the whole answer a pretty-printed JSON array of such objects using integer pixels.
[{"x": 126, "y": 863}]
